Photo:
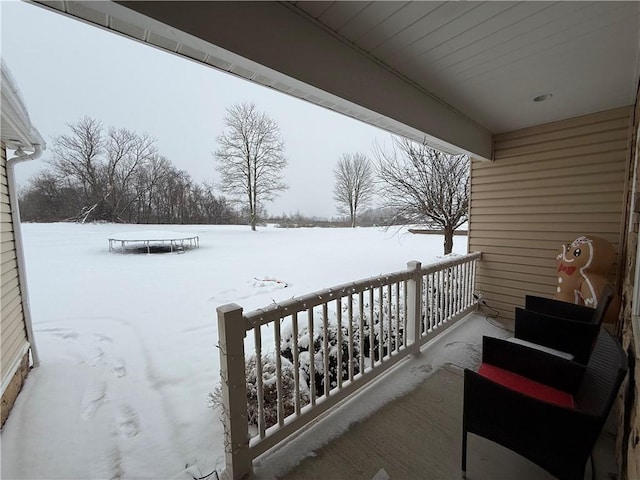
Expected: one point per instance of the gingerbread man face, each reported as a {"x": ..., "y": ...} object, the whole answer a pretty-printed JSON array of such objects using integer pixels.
[
  {"x": 582, "y": 269},
  {"x": 578, "y": 255}
]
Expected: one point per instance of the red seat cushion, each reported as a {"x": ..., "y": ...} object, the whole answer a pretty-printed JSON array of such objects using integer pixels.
[{"x": 526, "y": 386}]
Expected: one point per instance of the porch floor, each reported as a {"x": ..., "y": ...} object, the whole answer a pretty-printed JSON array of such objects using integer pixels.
[{"x": 414, "y": 428}]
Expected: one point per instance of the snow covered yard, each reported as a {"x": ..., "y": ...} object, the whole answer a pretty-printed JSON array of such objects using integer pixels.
[{"x": 127, "y": 342}]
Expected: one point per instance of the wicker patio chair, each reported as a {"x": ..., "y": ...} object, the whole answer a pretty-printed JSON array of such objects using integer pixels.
[
  {"x": 548, "y": 409},
  {"x": 571, "y": 311},
  {"x": 569, "y": 329}
]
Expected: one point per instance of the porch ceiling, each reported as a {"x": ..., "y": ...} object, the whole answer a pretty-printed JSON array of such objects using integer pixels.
[{"x": 456, "y": 72}]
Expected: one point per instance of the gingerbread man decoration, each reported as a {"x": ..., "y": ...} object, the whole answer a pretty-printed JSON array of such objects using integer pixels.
[{"x": 583, "y": 267}]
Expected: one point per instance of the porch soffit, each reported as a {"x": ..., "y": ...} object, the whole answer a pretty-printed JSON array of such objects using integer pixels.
[{"x": 455, "y": 72}]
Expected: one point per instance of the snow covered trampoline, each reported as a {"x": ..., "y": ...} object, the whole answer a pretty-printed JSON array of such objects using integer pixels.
[{"x": 153, "y": 241}]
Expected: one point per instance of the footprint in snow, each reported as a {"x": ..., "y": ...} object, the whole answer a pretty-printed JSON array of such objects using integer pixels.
[
  {"x": 127, "y": 421},
  {"x": 63, "y": 333},
  {"x": 103, "y": 338},
  {"x": 119, "y": 369},
  {"x": 98, "y": 355},
  {"x": 94, "y": 397}
]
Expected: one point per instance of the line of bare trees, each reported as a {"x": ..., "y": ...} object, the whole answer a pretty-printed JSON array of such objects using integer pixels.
[
  {"x": 117, "y": 175},
  {"x": 419, "y": 184}
]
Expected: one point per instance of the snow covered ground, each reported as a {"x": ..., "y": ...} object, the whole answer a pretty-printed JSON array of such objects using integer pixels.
[{"x": 128, "y": 342}]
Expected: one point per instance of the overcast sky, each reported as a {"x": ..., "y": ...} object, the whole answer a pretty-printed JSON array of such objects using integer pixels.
[{"x": 66, "y": 70}]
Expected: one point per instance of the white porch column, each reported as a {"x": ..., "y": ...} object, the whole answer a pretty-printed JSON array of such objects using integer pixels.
[
  {"x": 414, "y": 306},
  {"x": 231, "y": 333}
]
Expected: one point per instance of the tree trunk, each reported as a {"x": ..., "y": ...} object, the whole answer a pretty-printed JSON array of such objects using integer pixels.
[
  {"x": 448, "y": 240},
  {"x": 253, "y": 209}
]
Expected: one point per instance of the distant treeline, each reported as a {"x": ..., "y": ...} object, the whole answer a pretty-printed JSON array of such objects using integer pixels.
[
  {"x": 371, "y": 217},
  {"x": 118, "y": 176},
  {"x": 173, "y": 198}
]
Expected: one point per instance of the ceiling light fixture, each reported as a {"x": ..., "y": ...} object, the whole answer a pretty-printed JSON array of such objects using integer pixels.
[{"x": 542, "y": 98}]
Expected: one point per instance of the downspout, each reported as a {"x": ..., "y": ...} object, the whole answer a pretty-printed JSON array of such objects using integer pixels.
[{"x": 17, "y": 235}]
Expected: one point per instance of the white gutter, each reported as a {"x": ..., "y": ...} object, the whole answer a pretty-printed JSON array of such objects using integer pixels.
[{"x": 17, "y": 235}]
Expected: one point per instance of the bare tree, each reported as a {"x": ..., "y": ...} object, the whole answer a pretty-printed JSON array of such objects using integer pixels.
[
  {"x": 127, "y": 153},
  {"x": 77, "y": 162},
  {"x": 355, "y": 184},
  {"x": 425, "y": 186},
  {"x": 102, "y": 169},
  {"x": 251, "y": 158}
]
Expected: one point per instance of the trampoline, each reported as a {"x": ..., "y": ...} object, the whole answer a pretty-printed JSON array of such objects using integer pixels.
[{"x": 153, "y": 241}]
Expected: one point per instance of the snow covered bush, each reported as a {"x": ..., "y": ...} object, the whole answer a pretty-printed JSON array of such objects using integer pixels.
[
  {"x": 311, "y": 349},
  {"x": 317, "y": 340},
  {"x": 385, "y": 331},
  {"x": 269, "y": 388}
]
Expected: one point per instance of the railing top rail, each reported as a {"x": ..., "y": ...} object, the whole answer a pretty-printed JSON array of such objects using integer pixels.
[
  {"x": 291, "y": 306},
  {"x": 268, "y": 314},
  {"x": 450, "y": 261}
]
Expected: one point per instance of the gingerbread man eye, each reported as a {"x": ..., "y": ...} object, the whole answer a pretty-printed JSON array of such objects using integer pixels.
[{"x": 577, "y": 252}]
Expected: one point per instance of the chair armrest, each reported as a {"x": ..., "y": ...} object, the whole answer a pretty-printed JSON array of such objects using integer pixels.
[
  {"x": 558, "y": 308},
  {"x": 570, "y": 336},
  {"x": 542, "y": 367}
]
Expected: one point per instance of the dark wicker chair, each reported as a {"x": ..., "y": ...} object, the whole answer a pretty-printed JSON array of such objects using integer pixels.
[
  {"x": 543, "y": 407},
  {"x": 571, "y": 311},
  {"x": 560, "y": 325}
]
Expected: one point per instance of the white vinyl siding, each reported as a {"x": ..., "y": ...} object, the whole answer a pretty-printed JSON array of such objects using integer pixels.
[
  {"x": 13, "y": 331},
  {"x": 547, "y": 185}
]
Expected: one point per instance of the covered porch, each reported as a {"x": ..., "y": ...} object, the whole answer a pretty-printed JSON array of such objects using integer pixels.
[
  {"x": 366, "y": 380},
  {"x": 408, "y": 424},
  {"x": 542, "y": 96}
]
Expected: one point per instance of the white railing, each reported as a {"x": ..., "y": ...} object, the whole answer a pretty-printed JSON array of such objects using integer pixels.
[{"x": 304, "y": 355}]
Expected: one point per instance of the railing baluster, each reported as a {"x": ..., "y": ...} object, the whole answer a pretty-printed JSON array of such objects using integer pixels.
[
  {"x": 454, "y": 290},
  {"x": 429, "y": 301},
  {"x": 259, "y": 386},
  {"x": 350, "y": 327},
  {"x": 473, "y": 276},
  {"x": 296, "y": 363},
  {"x": 448, "y": 292},
  {"x": 405, "y": 315},
  {"x": 465, "y": 292},
  {"x": 463, "y": 287},
  {"x": 469, "y": 296},
  {"x": 278, "y": 339},
  {"x": 463, "y": 283},
  {"x": 435, "y": 294},
  {"x": 339, "y": 368},
  {"x": 381, "y": 325},
  {"x": 390, "y": 321},
  {"x": 312, "y": 359},
  {"x": 442, "y": 298},
  {"x": 397, "y": 285},
  {"x": 361, "y": 336},
  {"x": 445, "y": 295},
  {"x": 325, "y": 349},
  {"x": 372, "y": 336},
  {"x": 433, "y": 299}
]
